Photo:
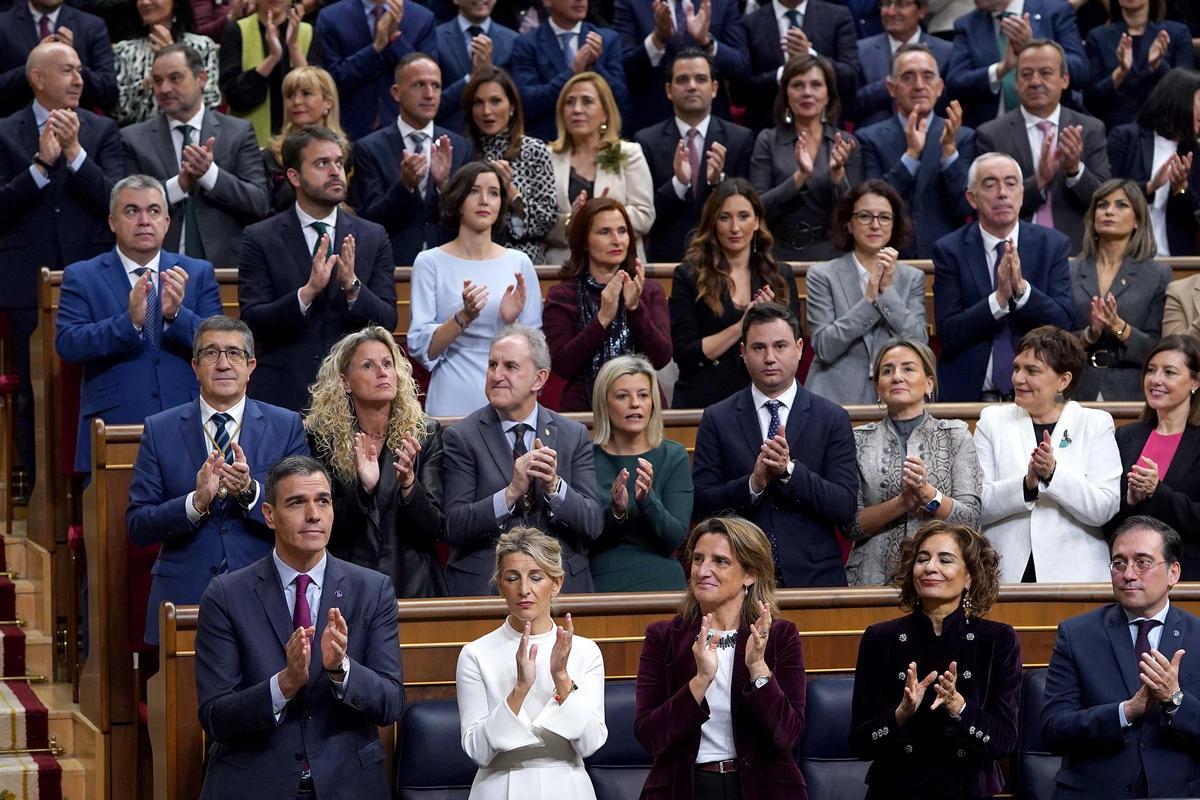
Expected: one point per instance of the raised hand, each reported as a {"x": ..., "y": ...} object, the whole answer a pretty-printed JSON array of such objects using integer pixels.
[
  {"x": 1158, "y": 49},
  {"x": 704, "y": 650},
  {"x": 632, "y": 289},
  {"x": 795, "y": 43},
  {"x": 764, "y": 295},
  {"x": 235, "y": 477},
  {"x": 839, "y": 154},
  {"x": 137, "y": 300},
  {"x": 1042, "y": 459},
  {"x": 294, "y": 675},
  {"x": 664, "y": 23},
  {"x": 561, "y": 653},
  {"x": 441, "y": 156},
  {"x": 160, "y": 37},
  {"x": 914, "y": 693},
  {"x": 1097, "y": 318},
  {"x": 577, "y": 203},
  {"x": 1124, "y": 59},
  {"x": 291, "y": 37},
  {"x": 645, "y": 480},
  {"x": 589, "y": 53},
  {"x": 756, "y": 645},
  {"x": 698, "y": 20},
  {"x": 366, "y": 461},
  {"x": 949, "y": 141},
  {"x": 64, "y": 35},
  {"x": 886, "y": 261},
  {"x": 544, "y": 466},
  {"x": 345, "y": 263},
  {"x": 1160, "y": 676},
  {"x": 413, "y": 167},
  {"x": 274, "y": 46},
  {"x": 620, "y": 493},
  {"x": 513, "y": 300},
  {"x": 1048, "y": 168},
  {"x": 914, "y": 477},
  {"x": 481, "y": 52},
  {"x": 334, "y": 639},
  {"x": 405, "y": 464},
  {"x": 1070, "y": 148},
  {"x": 715, "y": 166},
  {"x": 915, "y": 131},
  {"x": 65, "y": 123},
  {"x": 172, "y": 283},
  {"x": 1142, "y": 481},
  {"x": 320, "y": 272},
  {"x": 526, "y": 671},
  {"x": 804, "y": 159},
  {"x": 506, "y": 178},
  {"x": 474, "y": 299},
  {"x": 772, "y": 461},
  {"x": 610, "y": 298},
  {"x": 681, "y": 164},
  {"x": 49, "y": 147},
  {"x": 946, "y": 691},
  {"x": 1014, "y": 269},
  {"x": 1181, "y": 170},
  {"x": 1004, "y": 290},
  {"x": 208, "y": 481}
]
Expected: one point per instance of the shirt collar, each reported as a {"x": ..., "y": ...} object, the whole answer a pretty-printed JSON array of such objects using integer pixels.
[
  {"x": 196, "y": 122},
  {"x": 40, "y": 113},
  {"x": 130, "y": 265},
  {"x": 701, "y": 126},
  {"x": 1031, "y": 120},
  {"x": 1161, "y": 616},
  {"x": 406, "y": 130},
  {"x": 531, "y": 420},
  {"x": 1014, "y": 7},
  {"x": 237, "y": 412},
  {"x": 368, "y": 5},
  {"x": 287, "y": 575},
  {"x": 990, "y": 242},
  {"x": 781, "y": 10},
  {"x": 560, "y": 31},
  {"x": 787, "y": 399},
  {"x": 863, "y": 274},
  {"x": 306, "y": 219},
  {"x": 464, "y": 23},
  {"x": 37, "y": 15},
  {"x": 896, "y": 44}
]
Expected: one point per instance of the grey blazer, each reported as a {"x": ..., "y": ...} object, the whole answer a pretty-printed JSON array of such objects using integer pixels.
[
  {"x": 1114, "y": 369},
  {"x": 846, "y": 331},
  {"x": 478, "y": 463},
  {"x": 952, "y": 466},
  {"x": 239, "y": 197}
]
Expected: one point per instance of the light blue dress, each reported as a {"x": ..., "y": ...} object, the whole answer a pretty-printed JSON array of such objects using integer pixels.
[{"x": 457, "y": 382}]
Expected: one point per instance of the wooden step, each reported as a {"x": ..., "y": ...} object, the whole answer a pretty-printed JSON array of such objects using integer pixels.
[
  {"x": 83, "y": 777},
  {"x": 75, "y": 779},
  {"x": 14, "y": 554},
  {"x": 39, "y": 653}
]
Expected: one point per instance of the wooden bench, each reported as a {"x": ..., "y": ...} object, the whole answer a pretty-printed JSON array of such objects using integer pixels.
[{"x": 432, "y": 632}]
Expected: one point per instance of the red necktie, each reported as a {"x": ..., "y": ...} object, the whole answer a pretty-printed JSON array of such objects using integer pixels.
[
  {"x": 44, "y": 28},
  {"x": 301, "y": 614}
]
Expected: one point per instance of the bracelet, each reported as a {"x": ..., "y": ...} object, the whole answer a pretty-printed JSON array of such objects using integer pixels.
[
  {"x": 558, "y": 698},
  {"x": 462, "y": 326},
  {"x": 410, "y": 484},
  {"x": 1124, "y": 328},
  {"x": 37, "y": 159}
]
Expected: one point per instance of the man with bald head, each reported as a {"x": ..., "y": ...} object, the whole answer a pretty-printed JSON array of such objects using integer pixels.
[{"x": 58, "y": 163}]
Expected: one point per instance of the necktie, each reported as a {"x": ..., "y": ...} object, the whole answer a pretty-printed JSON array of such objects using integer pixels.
[
  {"x": 1002, "y": 346},
  {"x": 794, "y": 18},
  {"x": 1142, "y": 645},
  {"x": 693, "y": 137},
  {"x": 773, "y": 407},
  {"x": 301, "y": 613},
  {"x": 1008, "y": 84},
  {"x": 473, "y": 31},
  {"x": 321, "y": 228},
  {"x": 1045, "y": 213},
  {"x": 221, "y": 420},
  {"x": 567, "y": 41},
  {"x": 518, "y": 432},
  {"x": 680, "y": 18},
  {"x": 152, "y": 326},
  {"x": 377, "y": 12},
  {"x": 193, "y": 245},
  {"x": 418, "y": 142},
  {"x": 44, "y": 28}
]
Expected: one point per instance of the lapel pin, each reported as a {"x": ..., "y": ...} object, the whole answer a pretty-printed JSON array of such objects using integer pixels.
[
  {"x": 337, "y": 593},
  {"x": 1066, "y": 438},
  {"x": 1175, "y": 632},
  {"x": 545, "y": 432},
  {"x": 1122, "y": 281}
]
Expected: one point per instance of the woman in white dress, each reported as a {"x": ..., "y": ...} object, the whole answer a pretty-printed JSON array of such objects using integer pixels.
[
  {"x": 531, "y": 693},
  {"x": 466, "y": 290}
]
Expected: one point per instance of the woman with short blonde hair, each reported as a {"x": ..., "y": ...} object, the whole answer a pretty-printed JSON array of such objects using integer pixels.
[{"x": 310, "y": 97}]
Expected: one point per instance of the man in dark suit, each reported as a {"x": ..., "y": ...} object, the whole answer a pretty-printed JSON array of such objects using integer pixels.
[
  {"x": 516, "y": 463},
  {"x": 1063, "y": 153},
  {"x": 982, "y": 74},
  {"x": 29, "y": 23},
  {"x": 129, "y": 316},
  {"x": 745, "y": 461},
  {"x": 546, "y": 57},
  {"x": 901, "y": 26},
  {"x": 298, "y": 659},
  {"x": 1122, "y": 700},
  {"x": 718, "y": 149},
  {"x": 311, "y": 274},
  {"x": 993, "y": 281},
  {"x": 363, "y": 44},
  {"x": 923, "y": 156},
  {"x": 401, "y": 169},
  {"x": 471, "y": 41},
  {"x": 653, "y": 33},
  {"x": 58, "y": 163},
  {"x": 209, "y": 162},
  {"x": 779, "y": 31}
]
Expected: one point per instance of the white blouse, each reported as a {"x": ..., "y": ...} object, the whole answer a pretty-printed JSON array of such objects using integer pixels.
[
  {"x": 716, "y": 734},
  {"x": 539, "y": 752}
]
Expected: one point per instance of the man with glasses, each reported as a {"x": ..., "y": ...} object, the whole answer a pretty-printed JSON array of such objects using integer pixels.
[
  {"x": 197, "y": 483},
  {"x": 902, "y": 21},
  {"x": 1122, "y": 700}
]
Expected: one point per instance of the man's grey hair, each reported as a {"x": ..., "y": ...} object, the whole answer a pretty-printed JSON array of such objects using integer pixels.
[
  {"x": 536, "y": 339},
  {"x": 136, "y": 182},
  {"x": 992, "y": 157},
  {"x": 222, "y": 323}
]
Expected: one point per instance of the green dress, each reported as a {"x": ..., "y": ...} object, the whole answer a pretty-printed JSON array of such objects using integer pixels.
[{"x": 637, "y": 555}]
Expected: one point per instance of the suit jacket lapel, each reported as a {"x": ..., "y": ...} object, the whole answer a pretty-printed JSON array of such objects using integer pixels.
[
  {"x": 1019, "y": 140},
  {"x": 978, "y": 266},
  {"x": 297, "y": 245},
  {"x": 496, "y": 442},
  {"x": 1173, "y": 633},
  {"x": 1147, "y": 152},
  {"x": 26, "y": 28},
  {"x": 1127, "y": 275},
  {"x": 1087, "y": 277},
  {"x": 29, "y": 131},
  {"x": 116, "y": 278},
  {"x": 748, "y": 420},
  {"x": 797, "y": 419},
  {"x": 191, "y": 433},
  {"x": 210, "y": 126},
  {"x": 270, "y": 594},
  {"x": 332, "y": 596},
  {"x": 253, "y": 431},
  {"x": 458, "y": 48},
  {"x": 552, "y": 47},
  {"x": 1117, "y": 629},
  {"x": 164, "y": 146}
]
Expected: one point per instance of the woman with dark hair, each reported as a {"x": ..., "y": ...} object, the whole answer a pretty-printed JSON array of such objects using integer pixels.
[
  {"x": 804, "y": 164},
  {"x": 728, "y": 267},
  {"x": 1159, "y": 152},
  {"x": 862, "y": 298},
  {"x": 603, "y": 306},
  {"x": 496, "y": 125},
  {"x": 1118, "y": 291},
  {"x": 164, "y": 22},
  {"x": 720, "y": 688},
  {"x": 1130, "y": 55},
  {"x": 1043, "y": 512},
  {"x": 466, "y": 290},
  {"x": 937, "y": 692},
  {"x": 1159, "y": 452}
]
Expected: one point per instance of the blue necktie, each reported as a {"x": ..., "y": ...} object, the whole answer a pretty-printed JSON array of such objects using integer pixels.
[
  {"x": 773, "y": 406},
  {"x": 567, "y": 40},
  {"x": 224, "y": 444},
  {"x": 1002, "y": 346},
  {"x": 152, "y": 326},
  {"x": 793, "y": 18}
]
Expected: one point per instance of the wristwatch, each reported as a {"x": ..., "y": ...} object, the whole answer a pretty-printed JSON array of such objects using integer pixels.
[
  {"x": 340, "y": 672},
  {"x": 761, "y": 681},
  {"x": 933, "y": 505},
  {"x": 354, "y": 287},
  {"x": 247, "y": 497},
  {"x": 1172, "y": 705}
]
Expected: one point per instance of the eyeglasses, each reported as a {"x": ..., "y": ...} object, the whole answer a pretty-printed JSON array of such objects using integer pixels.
[
  {"x": 1140, "y": 565},
  {"x": 211, "y": 355},
  {"x": 866, "y": 218}
]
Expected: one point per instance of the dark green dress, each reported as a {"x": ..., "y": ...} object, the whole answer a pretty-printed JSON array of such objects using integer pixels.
[{"x": 637, "y": 555}]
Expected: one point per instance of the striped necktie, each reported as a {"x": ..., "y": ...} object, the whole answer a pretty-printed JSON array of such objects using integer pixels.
[{"x": 152, "y": 326}]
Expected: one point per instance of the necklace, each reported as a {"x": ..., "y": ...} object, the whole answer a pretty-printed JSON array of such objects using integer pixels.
[{"x": 725, "y": 640}]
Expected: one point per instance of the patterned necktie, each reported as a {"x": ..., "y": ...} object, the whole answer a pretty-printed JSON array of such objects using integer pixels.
[
  {"x": 152, "y": 326},
  {"x": 567, "y": 42},
  {"x": 301, "y": 613},
  {"x": 418, "y": 141},
  {"x": 221, "y": 420},
  {"x": 1045, "y": 213},
  {"x": 1002, "y": 346},
  {"x": 1008, "y": 84},
  {"x": 518, "y": 432},
  {"x": 773, "y": 427},
  {"x": 321, "y": 228},
  {"x": 44, "y": 28},
  {"x": 1142, "y": 646},
  {"x": 693, "y": 141},
  {"x": 193, "y": 245}
]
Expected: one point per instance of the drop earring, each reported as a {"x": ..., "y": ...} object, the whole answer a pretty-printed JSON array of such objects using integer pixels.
[
  {"x": 968, "y": 605},
  {"x": 787, "y": 116}
]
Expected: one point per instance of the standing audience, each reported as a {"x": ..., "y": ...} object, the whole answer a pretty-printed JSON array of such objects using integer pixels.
[
  {"x": 470, "y": 44},
  {"x": 902, "y": 25}
]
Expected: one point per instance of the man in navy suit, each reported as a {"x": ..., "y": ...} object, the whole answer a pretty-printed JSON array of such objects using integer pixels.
[
  {"x": 28, "y": 24},
  {"x": 652, "y": 33},
  {"x": 298, "y": 659},
  {"x": 718, "y": 149},
  {"x": 401, "y": 169},
  {"x": 311, "y": 274},
  {"x": 923, "y": 156},
  {"x": 993, "y": 281},
  {"x": 58, "y": 163},
  {"x": 197, "y": 483},
  {"x": 546, "y": 57},
  {"x": 782, "y": 29},
  {"x": 1122, "y": 700},
  {"x": 364, "y": 40},
  {"x": 129, "y": 316},
  {"x": 982, "y": 75},
  {"x": 471, "y": 41},
  {"x": 780, "y": 456},
  {"x": 902, "y": 25}
]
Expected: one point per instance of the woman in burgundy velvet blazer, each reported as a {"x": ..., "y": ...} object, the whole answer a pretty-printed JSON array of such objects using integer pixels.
[{"x": 720, "y": 688}]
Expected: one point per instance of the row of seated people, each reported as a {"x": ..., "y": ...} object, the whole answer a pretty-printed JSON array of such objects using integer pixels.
[{"x": 721, "y": 687}]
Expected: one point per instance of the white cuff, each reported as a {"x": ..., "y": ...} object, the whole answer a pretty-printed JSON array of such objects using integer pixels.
[
  {"x": 209, "y": 179},
  {"x": 652, "y": 52}
]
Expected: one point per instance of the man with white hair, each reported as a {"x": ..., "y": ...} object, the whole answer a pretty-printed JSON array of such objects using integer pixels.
[{"x": 994, "y": 280}]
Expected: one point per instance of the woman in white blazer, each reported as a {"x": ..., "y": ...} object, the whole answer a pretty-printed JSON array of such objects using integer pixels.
[
  {"x": 1051, "y": 468},
  {"x": 590, "y": 160}
]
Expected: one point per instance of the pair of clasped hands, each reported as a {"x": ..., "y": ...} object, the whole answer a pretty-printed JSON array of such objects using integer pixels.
[
  {"x": 215, "y": 475},
  {"x": 946, "y": 689},
  {"x": 299, "y": 652}
]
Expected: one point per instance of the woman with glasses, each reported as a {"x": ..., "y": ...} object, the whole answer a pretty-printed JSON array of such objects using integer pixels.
[
  {"x": 1159, "y": 452},
  {"x": 862, "y": 298}
]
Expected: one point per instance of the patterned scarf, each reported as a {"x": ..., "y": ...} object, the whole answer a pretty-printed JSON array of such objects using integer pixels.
[{"x": 619, "y": 340}]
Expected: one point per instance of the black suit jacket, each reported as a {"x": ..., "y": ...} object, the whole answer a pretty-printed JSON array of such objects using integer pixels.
[
  {"x": 674, "y": 218},
  {"x": 830, "y": 29},
  {"x": 1131, "y": 154},
  {"x": 276, "y": 262},
  {"x": 19, "y": 35},
  {"x": 65, "y": 222}
]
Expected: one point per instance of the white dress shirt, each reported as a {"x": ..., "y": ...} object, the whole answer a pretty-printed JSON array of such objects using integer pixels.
[
  {"x": 702, "y": 127},
  {"x": 310, "y": 241},
  {"x": 1154, "y": 636},
  {"x": 998, "y": 311},
  {"x": 234, "y": 428},
  {"x": 207, "y": 181},
  {"x": 1163, "y": 150},
  {"x": 895, "y": 44},
  {"x": 786, "y": 399},
  {"x": 785, "y": 24},
  {"x": 130, "y": 272},
  {"x": 40, "y": 115},
  {"x": 501, "y": 509},
  {"x": 1035, "y": 137},
  {"x": 716, "y": 732},
  {"x": 37, "y": 16}
]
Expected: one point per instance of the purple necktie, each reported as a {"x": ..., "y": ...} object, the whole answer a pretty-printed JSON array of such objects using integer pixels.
[
  {"x": 693, "y": 136},
  {"x": 1002, "y": 346},
  {"x": 1045, "y": 213},
  {"x": 301, "y": 613},
  {"x": 44, "y": 28},
  {"x": 1142, "y": 646}
]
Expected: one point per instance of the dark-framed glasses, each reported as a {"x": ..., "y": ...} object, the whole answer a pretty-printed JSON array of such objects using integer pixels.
[
  {"x": 211, "y": 355},
  {"x": 866, "y": 218}
]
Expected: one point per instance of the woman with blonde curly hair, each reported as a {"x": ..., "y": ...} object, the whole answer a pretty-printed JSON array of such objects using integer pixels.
[{"x": 365, "y": 424}]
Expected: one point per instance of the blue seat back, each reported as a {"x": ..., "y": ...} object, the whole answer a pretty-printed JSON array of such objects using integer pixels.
[
  {"x": 618, "y": 769},
  {"x": 829, "y": 768},
  {"x": 430, "y": 762},
  {"x": 1036, "y": 766}
]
